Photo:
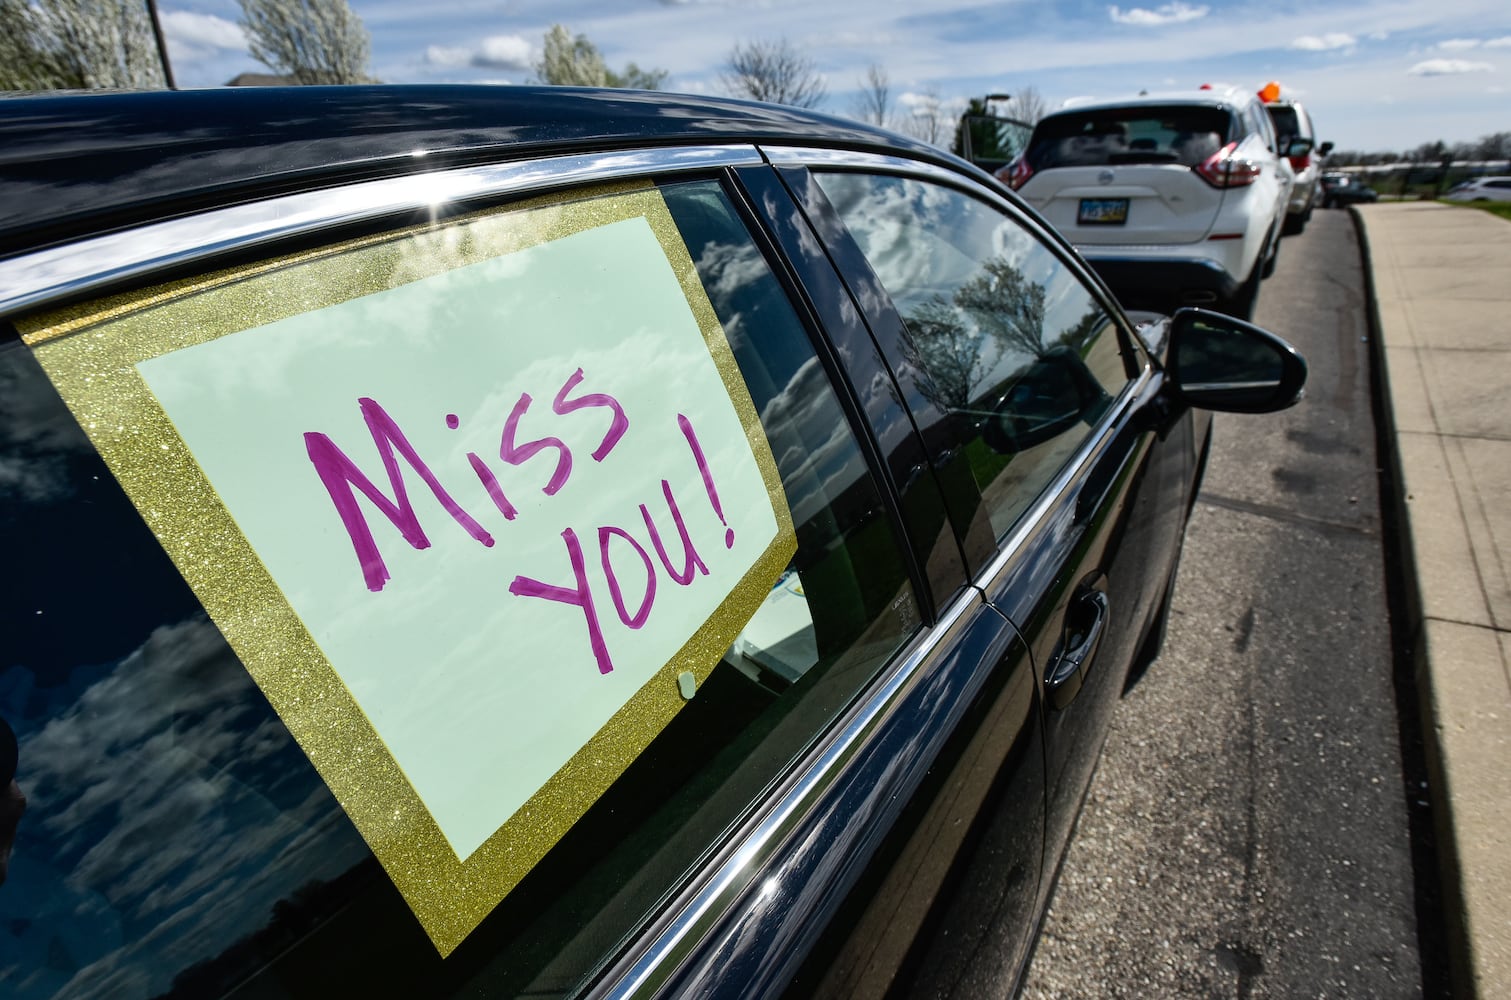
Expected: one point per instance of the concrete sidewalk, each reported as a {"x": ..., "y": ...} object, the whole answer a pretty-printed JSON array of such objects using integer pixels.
[{"x": 1442, "y": 284}]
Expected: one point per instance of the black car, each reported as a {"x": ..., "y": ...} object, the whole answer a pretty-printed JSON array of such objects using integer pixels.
[
  {"x": 309, "y": 698},
  {"x": 1339, "y": 190}
]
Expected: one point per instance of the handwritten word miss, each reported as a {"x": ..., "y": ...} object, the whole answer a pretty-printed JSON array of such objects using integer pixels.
[{"x": 344, "y": 481}]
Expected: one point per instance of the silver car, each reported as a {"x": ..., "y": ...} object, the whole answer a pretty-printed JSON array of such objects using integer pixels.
[{"x": 1292, "y": 121}]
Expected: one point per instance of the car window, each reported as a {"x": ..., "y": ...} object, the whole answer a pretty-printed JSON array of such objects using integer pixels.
[
  {"x": 1186, "y": 136},
  {"x": 444, "y": 595},
  {"x": 1258, "y": 123},
  {"x": 1001, "y": 336},
  {"x": 1284, "y": 118}
]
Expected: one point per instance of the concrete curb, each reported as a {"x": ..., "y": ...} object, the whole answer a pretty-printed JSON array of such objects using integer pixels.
[{"x": 1437, "y": 349}]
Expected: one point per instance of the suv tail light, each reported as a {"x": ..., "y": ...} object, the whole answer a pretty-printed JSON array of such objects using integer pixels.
[
  {"x": 1225, "y": 169},
  {"x": 1016, "y": 173},
  {"x": 1300, "y": 163}
]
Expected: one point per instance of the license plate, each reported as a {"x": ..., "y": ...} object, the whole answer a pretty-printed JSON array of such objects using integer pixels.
[{"x": 1103, "y": 212}]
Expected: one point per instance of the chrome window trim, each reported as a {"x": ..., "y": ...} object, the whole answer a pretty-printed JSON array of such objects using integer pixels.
[
  {"x": 856, "y": 159},
  {"x": 73, "y": 269},
  {"x": 726, "y": 883}
]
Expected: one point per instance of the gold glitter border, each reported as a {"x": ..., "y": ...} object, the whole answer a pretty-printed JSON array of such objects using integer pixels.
[{"x": 91, "y": 351}]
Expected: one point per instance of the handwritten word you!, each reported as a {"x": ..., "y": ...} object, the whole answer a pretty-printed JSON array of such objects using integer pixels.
[{"x": 344, "y": 481}]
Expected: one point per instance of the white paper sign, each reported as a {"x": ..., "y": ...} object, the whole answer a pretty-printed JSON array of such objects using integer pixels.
[{"x": 500, "y": 498}]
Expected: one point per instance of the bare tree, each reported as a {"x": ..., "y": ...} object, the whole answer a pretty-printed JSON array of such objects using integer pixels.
[
  {"x": 308, "y": 41},
  {"x": 1496, "y": 146},
  {"x": 573, "y": 61},
  {"x": 928, "y": 120},
  {"x": 874, "y": 103},
  {"x": 775, "y": 72},
  {"x": 92, "y": 44},
  {"x": 1026, "y": 105}
]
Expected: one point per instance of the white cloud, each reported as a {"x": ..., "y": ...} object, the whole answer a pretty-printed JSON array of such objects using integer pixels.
[
  {"x": 1448, "y": 67},
  {"x": 199, "y": 36},
  {"x": 505, "y": 52},
  {"x": 449, "y": 56},
  {"x": 1504, "y": 42},
  {"x": 1170, "y": 13},
  {"x": 510, "y": 52},
  {"x": 917, "y": 103},
  {"x": 1324, "y": 43}
]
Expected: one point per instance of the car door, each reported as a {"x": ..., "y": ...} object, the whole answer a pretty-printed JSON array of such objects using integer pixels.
[
  {"x": 950, "y": 896},
  {"x": 232, "y": 756},
  {"x": 1066, "y": 475}
]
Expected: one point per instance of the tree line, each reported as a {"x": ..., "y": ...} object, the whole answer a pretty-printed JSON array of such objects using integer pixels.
[
  {"x": 1493, "y": 147},
  {"x": 118, "y": 44}
]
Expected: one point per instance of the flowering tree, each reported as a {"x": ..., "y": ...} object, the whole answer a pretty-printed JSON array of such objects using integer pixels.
[
  {"x": 308, "y": 41},
  {"x": 77, "y": 44}
]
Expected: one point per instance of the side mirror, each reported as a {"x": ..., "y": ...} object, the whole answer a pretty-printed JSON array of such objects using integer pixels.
[
  {"x": 1043, "y": 400},
  {"x": 1221, "y": 363},
  {"x": 1298, "y": 147},
  {"x": 1325, "y": 148}
]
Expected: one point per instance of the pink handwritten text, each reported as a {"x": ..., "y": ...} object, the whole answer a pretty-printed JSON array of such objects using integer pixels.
[{"x": 633, "y": 562}]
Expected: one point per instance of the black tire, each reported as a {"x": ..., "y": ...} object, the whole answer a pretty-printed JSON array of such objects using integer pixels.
[
  {"x": 1270, "y": 261},
  {"x": 1154, "y": 639},
  {"x": 1240, "y": 305},
  {"x": 1295, "y": 223}
]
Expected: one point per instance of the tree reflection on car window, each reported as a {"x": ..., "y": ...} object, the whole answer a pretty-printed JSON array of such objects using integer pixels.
[{"x": 1000, "y": 336}]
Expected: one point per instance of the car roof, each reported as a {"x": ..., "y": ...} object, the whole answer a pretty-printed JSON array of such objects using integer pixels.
[
  {"x": 1219, "y": 97},
  {"x": 78, "y": 164}
]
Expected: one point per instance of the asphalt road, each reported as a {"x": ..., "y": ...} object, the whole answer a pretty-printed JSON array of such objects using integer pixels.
[{"x": 1249, "y": 830}]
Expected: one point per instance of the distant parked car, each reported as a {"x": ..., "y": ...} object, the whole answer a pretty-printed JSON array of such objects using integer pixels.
[
  {"x": 1292, "y": 121},
  {"x": 1174, "y": 198},
  {"x": 1482, "y": 189},
  {"x": 1340, "y": 190}
]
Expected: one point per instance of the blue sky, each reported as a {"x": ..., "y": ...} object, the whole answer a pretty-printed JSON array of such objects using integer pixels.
[{"x": 1376, "y": 74}]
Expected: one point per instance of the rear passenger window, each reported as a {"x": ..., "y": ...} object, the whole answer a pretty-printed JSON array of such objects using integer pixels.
[
  {"x": 443, "y": 595},
  {"x": 1001, "y": 336}
]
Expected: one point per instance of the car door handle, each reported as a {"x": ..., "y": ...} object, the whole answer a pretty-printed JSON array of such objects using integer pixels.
[{"x": 1085, "y": 623}]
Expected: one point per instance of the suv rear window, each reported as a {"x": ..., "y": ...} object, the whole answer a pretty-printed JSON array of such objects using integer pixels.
[{"x": 1094, "y": 138}]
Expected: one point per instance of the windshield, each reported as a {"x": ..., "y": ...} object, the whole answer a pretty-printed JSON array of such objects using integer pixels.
[{"x": 1183, "y": 135}]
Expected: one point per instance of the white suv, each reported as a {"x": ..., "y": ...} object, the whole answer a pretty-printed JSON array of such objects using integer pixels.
[
  {"x": 1175, "y": 199},
  {"x": 1292, "y": 122}
]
